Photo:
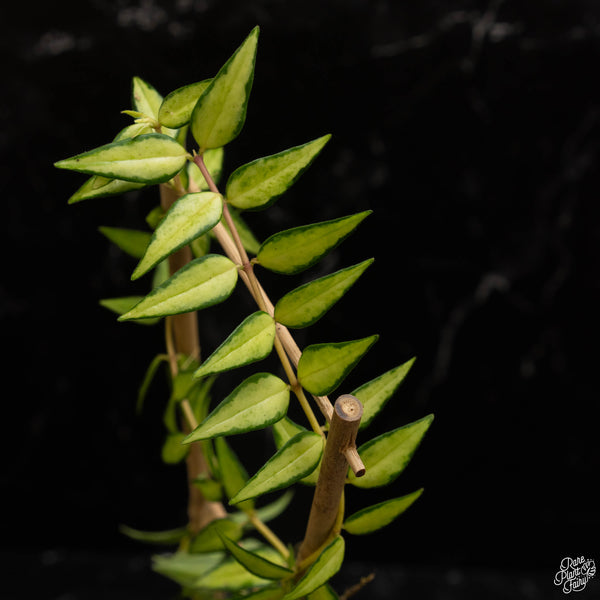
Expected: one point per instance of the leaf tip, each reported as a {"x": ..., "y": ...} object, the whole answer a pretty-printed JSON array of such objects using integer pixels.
[{"x": 138, "y": 271}]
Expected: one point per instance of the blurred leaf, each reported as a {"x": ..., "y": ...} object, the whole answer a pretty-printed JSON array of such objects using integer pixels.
[
  {"x": 375, "y": 394},
  {"x": 258, "y": 401},
  {"x": 122, "y": 305},
  {"x": 201, "y": 283},
  {"x": 220, "y": 112},
  {"x": 386, "y": 456},
  {"x": 230, "y": 576},
  {"x": 308, "y": 303},
  {"x": 162, "y": 272},
  {"x": 164, "y": 538},
  {"x": 379, "y": 515},
  {"x": 258, "y": 184},
  {"x": 151, "y": 158},
  {"x": 201, "y": 246},
  {"x": 297, "y": 249},
  {"x": 233, "y": 474},
  {"x": 186, "y": 568},
  {"x": 199, "y": 397},
  {"x": 325, "y": 592},
  {"x": 321, "y": 571},
  {"x": 270, "y": 511},
  {"x": 255, "y": 563},
  {"x": 188, "y": 218},
  {"x": 173, "y": 451},
  {"x": 208, "y": 538},
  {"x": 154, "y": 217},
  {"x": 250, "y": 342},
  {"x": 176, "y": 109},
  {"x": 267, "y": 593},
  {"x": 131, "y": 241},
  {"x": 100, "y": 187},
  {"x": 295, "y": 460},
  {"x": 148, "y": 377},
  {"x": 322, "y": 367},
  {"x": 211, "y": 489}
]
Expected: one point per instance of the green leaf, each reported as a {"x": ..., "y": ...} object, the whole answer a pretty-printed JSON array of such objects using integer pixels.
[
  {"x": 308, "y": 303},
  {"x": 250, "y": 342},
  {"x": 379, "y": 515},
  {"x": 255, "y": 563},
  {"x": 322, "y": 367},
  {"x": 213, "y": 159},
  {"x": 100, "y": 187},
  {"x": 295, "y": 460},
  {"x": 267, "y": 593},
  {"x": 201, "y": 283},
  {"x": 321, "y": 571},
  {"x": 211, "y": 489},
  {"x": 154, "y": 217},
  {"x": 173, "y": 451},
  {"x": 325, "y": 592},
  {"x": 124, "y": 304},
  {"x": 386, "y": 456},
  {"x": 258, "y": 401},
  {"x": 200, "y": 246},
  {"x": 274, "y": 509},
  {"x": 208, "y": 538},
  {"x": 144, "y": 97},
  {"x": 375, "y": 394},
  {"x": 283, "y": 431},
  {"x": 233, "y": 474},
  {"x": 170, "y": 537},
  {"x": 133, "y": 130},
  {"x": 199, "y": 397},
  {"x": 151, "y": 158},
  {"x": 188, "y": 218},
  {"x": 131, "y": 241},
  {"x": 148, "y": 377},
  {"x": 186, "y": 568},
  {"x": 220, "y": 112},
  {"x": 230, "y": 576},
  {"x": 296, "y": 249},
  {"x": 176, "y": 109},
  {"x": 258, "y": 184}
]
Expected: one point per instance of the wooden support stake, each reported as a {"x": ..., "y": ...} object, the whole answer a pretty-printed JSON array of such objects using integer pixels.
[{"x": 345, "y": 420}]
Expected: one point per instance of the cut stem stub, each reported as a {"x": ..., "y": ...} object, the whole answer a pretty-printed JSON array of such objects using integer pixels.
[{"x": 344, "y": 425}]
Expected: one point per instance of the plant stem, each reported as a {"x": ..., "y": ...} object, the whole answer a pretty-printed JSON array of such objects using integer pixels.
[
  {"x": 234, "y": 249},
  {"x": 259, "y": 296},
  {"x": 268, "y": 534},
  {"x": 325, "y": 519}
]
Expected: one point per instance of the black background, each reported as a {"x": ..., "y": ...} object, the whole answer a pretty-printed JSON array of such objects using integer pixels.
[{"x": 470, "y": 129}]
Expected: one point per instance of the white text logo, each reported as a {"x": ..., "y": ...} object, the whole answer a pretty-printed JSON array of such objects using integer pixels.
[{"x": 574, "y": 573}]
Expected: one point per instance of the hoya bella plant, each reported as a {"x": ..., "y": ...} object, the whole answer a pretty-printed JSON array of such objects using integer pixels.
[{"x": 227, "y": 549}]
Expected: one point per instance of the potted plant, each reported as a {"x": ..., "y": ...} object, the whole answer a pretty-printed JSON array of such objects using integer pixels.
[{"x": 196, "y": 251}]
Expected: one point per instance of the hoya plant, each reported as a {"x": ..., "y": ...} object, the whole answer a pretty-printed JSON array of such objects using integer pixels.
[{"x": 194, "y": 251}]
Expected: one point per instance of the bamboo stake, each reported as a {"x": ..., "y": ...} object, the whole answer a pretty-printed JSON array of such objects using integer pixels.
[{"x": 325, "y": 508}]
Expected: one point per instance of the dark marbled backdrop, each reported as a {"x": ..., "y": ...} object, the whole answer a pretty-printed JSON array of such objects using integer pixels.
[{"x": 472, "y": 131}]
